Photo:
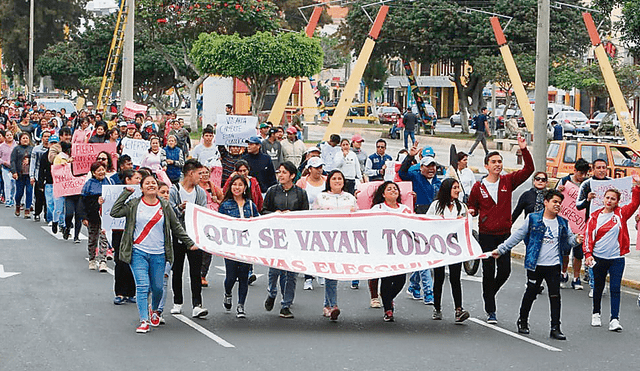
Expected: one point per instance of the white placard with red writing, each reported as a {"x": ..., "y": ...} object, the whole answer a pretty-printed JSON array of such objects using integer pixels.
[
  {"x": 599, "y": 187},
  {"x": 336, "y": 245},
  {"x": 568, "y": 208}
]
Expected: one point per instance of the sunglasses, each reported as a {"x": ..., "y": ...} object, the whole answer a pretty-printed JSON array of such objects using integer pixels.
[
  {"x": 381, "y": 147},
  {"x": 103, "y": 159},
  {"x": 539, "y": 179}
]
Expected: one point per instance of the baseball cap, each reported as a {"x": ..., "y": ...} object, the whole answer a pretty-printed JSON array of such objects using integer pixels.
[
  {"x": 428, "y": 152},
  {"x": 314, "y": 162},
  {"x": 254, "y": 140},
  {"x": 427, "y": 160},
  {"x": 263, "y": 125},
  {"x": 131, "y": 126},
  {"x": 292, "y": 130},
  {"x": 122, "y": 123},
  {"x": 54, "y": 139},
  {"x": 313, "y": 149},
  {"x": 357, "y": 138}
]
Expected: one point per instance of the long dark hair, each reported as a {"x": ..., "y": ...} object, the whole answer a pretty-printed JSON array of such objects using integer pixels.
[
  {"x": 444, "y": 196},
  {"x": 378, "y": 196},
  {"x": 109, "y": 166},
  {"x": 327, "y": 184},
  {"x": 228, "y": 195}
]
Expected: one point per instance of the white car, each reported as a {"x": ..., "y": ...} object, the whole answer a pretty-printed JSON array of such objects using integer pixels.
[
  {"x": 57, "y": 104},
  {"x": 572, "y": 121}
]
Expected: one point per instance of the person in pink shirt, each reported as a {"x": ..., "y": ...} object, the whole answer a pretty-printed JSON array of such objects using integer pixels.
[{"x": 82, "y": 132}]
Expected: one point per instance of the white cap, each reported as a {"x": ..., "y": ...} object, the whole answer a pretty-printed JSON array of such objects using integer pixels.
[
  {"x": 427, "y": 160},
  {"x": 314, "y": 162}
]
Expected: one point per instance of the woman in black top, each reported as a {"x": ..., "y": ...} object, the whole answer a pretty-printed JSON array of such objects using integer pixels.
[{"x": 532, "y": 200}]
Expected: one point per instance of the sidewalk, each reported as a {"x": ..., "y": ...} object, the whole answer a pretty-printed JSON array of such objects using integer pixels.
[{"x": 631, "y": 278}]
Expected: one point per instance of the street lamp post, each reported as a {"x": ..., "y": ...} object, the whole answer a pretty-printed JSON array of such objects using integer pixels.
[{"x": 30, "y": 78}]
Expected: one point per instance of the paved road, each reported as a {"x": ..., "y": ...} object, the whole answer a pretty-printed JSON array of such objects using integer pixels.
[{"x": 58, "y": 315}]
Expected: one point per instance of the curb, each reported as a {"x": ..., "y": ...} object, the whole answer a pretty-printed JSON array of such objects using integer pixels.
[{"x": 633, "y": 284}]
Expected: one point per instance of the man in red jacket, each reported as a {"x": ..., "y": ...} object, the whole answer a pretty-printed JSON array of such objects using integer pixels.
[{"x": 490, "y": 198}]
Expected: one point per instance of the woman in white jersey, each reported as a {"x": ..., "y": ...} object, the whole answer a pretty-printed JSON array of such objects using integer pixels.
[
  {"x": 387, "y": 198},
  {"x": 334, "y": 197},
  {"x": 606, "y": 242},
  {"x": 448, "y": 205},
  {"x": 146, "y": 244}
]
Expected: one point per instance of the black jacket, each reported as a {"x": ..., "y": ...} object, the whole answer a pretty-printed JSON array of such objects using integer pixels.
[
  {"x": 277, "y": 198},
  {"x": 262, "y": 169},
  {"x": 526, "y": 203}
]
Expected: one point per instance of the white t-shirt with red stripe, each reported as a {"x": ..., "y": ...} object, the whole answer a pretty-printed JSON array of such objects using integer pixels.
[{"x": 148, "y": 235}]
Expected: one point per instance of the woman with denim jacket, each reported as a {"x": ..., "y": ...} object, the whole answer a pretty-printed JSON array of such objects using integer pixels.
[
  {"x": 605, "y": 245},
  {"x": 547, "y": 238},
  {"x": 237, "y": 203}
]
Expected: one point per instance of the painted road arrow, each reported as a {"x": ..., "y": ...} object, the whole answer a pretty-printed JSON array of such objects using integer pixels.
[{"x": 4, "y": 274}]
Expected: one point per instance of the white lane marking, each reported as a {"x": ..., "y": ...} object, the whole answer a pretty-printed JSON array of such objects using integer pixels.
[
  {"x": 4, "y": 274},
  {"x": 467, "y": 277},
  {"x": 517, "y": 336},
  {"x": 10, "y": 233},
  {"x": 204, "y": 331},
  {"x": 59, "y": 235}
]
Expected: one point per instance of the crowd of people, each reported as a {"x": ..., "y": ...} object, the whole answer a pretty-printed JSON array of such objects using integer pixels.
[{"x": 276, "y": 172}]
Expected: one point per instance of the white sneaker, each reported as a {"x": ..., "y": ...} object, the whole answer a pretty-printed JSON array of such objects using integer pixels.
[
  {"x": 103, "y": 267},
  {"x": 614, "y": 325},
  {"x": 93, "y": 265},
  {"x": 199, "y": 312},
  {"x": 590, "y": 293},
  {"x": 595, "y": 320},
  {"x": 177, "y": 309},
  {"x": 321, "y": 281},
  {"x": 308, "y": 284},
  {"x": 376, "y": 303}
]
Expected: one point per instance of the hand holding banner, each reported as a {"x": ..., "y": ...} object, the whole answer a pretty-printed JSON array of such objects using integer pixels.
[
  {"x": 234, "y": 130},
  {"x": 64, "y": 183},
  {"x": 600, "y": 187},
  {"x": 336, "y": 245}
]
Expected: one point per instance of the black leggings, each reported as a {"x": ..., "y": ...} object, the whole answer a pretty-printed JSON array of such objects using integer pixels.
[
  {"x": 454, "y": 280},
  {"x": 71, "y": 210},
  {"x": 390, "y": 287},
  {"x": 41, "y": 203},
  {"x": 195, "y": 263},
  {"x": 124, "y": 284}
]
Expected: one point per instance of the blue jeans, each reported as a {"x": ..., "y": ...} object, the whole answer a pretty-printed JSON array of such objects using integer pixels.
[
  {"x": 237, "y": 271},
  {"x": 407, "y": 134},
  {"x": 424, "y": 277},
  {"x": 287, "y": 285},
  {"x": 148, "y": 270},
  {"x": 9, "y": 186},
  {"x": 23, "y": 185},
  {"x": 330, "y": 293},
  {"x": 48, "y": 196},
  {"x": 615, "y": 268},
  {"x": 58, "y": 209},
  {"x": 165, "y": 283}
]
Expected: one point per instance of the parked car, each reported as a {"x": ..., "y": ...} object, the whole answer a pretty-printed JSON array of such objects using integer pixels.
[
  {"x": 596, "y": 119},
  {"x": 389, "y": 115},
  {"x": 609, "y": 125},
  {"x": 455, "y": 119},
  {"x": 554, "y": 108},
  {"x": 562, "y": 155},
  {"x": 572, "y": 121},
  {"x": 57, "y": 104}
]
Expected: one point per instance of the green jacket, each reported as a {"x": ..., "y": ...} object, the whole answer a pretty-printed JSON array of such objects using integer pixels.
[{"x": 129, "y": 210}]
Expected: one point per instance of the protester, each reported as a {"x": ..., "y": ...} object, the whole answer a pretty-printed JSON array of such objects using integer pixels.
[
  {"x": 532, "y": 200},
  {"x": 334, "y": 197},
  {"x": 228, "y": 159},
  {"x": 6, "y": 149},
  {"x": 606, "y": 243},
  {"x": 356, "y": 147},
  {"x": 181, "y": 193},
  {"x": 260, "y": 164},
  {"x": 281, "y": 198},
  {"x": 124, "y": 285},
  {"x": 214, "y": 197},
  {"x": 293, "y": 148},
  {"x": 89, "y": 210},
  {"x": 20, "y": 163},
  {"x": 448, "y": 205},
  {"x": 347, "y": 162},
  {"x": 490, "y": 200},
  {"x": 205, "y": 152},
  {"x": 272, "y": 147},
  {"x": 387, "y": 198},
  {"x": 154, "y": 159},
  {"x": 581, "y": 169},
  {"x": 376, "y": 164},
  {"x": 464, "y": 175},
  {"x": 242, "y": 168},
  {"x": 146, "y": 244},
  {"x": 38, "y": 183},
  {"x": 547, "y": 237},
  {"x": 329, "y": 150},
  {"x": 173, "y": 159},
  {"x": 237, "y": 203}
]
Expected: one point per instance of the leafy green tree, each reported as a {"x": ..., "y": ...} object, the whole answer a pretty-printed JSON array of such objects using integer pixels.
[
  {"x": 259, "y": 60},
  {"x": 429, "y": 31},
  {"x": 50, "y": 16}
]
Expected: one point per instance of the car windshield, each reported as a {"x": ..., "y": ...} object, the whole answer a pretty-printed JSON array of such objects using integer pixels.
[
  {"x": 574, "y": 115},
  {"x": 57, "y": 105},
  {"x": 600, "y": 116},
  {"x": 390, "y": 110}
]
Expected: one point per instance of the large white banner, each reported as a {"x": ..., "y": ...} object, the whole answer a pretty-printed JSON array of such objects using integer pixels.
[
  {"x": 110, "y": 194},
  {"x": 337, "y": 245},
  {"x": 600, "y": 187},
  {"x": 235, "y": 130},
  {"x": 136, "y": 148}
]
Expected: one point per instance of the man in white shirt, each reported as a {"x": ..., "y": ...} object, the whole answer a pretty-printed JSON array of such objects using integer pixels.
[{"x": 206, "y": 152}]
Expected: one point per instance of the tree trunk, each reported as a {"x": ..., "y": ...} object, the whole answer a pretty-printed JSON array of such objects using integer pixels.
[
  {"x": 463, "y": 103},
  {"x": 193, "y": 111}
]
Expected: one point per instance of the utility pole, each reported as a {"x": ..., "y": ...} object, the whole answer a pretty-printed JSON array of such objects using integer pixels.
[
  {"x": 30, "y": 79},
  {"x": 126, "y": 89},
  {"x": 542, "y": 88}
]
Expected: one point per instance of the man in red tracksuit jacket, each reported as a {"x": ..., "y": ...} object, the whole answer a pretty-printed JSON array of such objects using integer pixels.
[{"x": 490, "y": 198}]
